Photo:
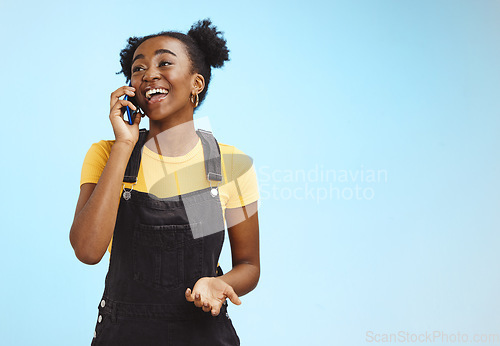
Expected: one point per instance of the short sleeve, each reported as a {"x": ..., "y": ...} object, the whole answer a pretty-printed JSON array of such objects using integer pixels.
[
  {"x": 241, "y": 179},
  {"x": 95, "y": 161}
]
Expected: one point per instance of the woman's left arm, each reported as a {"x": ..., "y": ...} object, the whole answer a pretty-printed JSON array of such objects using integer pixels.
[
  {"x": 243, "y": 230},
  {"x": 210, "y": 292}
]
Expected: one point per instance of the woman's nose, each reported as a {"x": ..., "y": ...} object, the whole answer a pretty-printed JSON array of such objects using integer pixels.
[{"x": 151, "y": 74}]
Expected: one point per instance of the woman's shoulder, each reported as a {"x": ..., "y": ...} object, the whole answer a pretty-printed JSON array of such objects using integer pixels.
[
  {"x": 235, "y": 160},
  {"x": 98, "y": 153},
  {"x": 103, "y": 146},
  {"x": 105, "y": 143},
  {"x": 229, "y": 149},
  {"x": 238, "y": 168},
  {"x": 230, "y": 152}
]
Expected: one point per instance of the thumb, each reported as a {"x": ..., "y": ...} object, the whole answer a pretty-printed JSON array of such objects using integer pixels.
[
  {"x": 137, "y": 119},
  {"x": 233, "y": 297}
]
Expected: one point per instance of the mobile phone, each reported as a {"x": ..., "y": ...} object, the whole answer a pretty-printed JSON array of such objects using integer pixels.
[{"x": 130, "y": 114}]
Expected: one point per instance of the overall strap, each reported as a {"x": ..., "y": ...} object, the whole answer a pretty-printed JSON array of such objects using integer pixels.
[
  {"x": 135, "y": 159},
  {"x": 211, "y": 152}
]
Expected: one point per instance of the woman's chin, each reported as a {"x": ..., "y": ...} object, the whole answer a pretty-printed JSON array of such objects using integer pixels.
[
  {"x": 164, "y": 113},
  {"x": 157, "y": 116}
]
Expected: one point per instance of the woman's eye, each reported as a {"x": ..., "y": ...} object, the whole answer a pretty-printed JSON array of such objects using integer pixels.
[
  {"x": 165, "y": 63},
  {"x": 136, "y": 69}
]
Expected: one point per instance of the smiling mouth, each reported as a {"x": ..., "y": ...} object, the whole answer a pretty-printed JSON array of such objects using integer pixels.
[{"x": 156, "y": 95}]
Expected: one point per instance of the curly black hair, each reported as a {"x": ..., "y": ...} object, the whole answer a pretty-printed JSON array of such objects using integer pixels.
[{"x": 205, "y": 45}]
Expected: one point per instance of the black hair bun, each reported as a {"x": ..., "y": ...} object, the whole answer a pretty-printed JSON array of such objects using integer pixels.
[{"x": 210, "y": 41}]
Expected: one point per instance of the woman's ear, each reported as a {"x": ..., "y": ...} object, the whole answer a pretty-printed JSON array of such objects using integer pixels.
[{"x": 198, "y": 84}]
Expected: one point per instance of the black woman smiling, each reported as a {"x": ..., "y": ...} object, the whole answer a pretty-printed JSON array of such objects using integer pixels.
[{"x": 160, "y": 199}]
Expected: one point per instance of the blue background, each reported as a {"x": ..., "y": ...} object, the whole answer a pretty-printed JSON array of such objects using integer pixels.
[{"x": 408, "y": 89}]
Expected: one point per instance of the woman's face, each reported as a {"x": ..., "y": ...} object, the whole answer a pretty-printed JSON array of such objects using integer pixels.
[{"x": 161, "y": 75}]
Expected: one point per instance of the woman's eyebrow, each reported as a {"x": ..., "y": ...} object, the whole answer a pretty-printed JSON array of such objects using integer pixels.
[
  {"x": 158, "y": 52},
  {"x": 163, "y": 51}
]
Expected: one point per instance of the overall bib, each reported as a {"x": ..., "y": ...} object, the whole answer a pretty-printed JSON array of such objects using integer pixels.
[{"x": 162, "y": 246}]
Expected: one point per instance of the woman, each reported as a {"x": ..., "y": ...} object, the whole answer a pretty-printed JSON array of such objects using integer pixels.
[{"x": 158, "y": 200}]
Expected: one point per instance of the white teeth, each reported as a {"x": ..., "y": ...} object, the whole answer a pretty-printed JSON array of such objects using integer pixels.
[{"x": 154, "y": 91}]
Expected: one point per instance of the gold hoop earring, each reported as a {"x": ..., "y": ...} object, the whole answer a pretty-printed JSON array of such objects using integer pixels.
[{"x": 194, "y": 101}]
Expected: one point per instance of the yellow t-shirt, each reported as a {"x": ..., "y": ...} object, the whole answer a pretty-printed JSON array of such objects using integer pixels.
[{"x": 166, "y": 176}]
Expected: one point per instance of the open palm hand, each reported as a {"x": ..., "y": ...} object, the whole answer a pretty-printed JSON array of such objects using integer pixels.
[{"x": 209, "y": 293}]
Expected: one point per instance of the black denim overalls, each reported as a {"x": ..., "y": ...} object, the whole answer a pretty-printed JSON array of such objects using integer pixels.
[{"x": 162, "y": 246}]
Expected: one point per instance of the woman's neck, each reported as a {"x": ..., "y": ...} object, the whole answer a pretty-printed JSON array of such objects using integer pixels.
[{"x": 176, "y": 140}]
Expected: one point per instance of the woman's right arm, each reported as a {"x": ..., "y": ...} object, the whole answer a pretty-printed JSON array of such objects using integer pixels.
[{"x": 97, "y": 205}]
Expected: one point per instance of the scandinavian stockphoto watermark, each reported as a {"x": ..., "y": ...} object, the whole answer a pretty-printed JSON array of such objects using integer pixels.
[
  {"x": 430, "y": 336},
  {"x": 320, "y": 183}
]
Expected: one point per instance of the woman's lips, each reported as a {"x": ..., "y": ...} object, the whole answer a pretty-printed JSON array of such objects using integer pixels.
[{"x": 157, "y": 98}]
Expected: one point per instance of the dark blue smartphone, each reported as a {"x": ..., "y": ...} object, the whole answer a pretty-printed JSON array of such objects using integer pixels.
[{"x": 129, "y": 112}]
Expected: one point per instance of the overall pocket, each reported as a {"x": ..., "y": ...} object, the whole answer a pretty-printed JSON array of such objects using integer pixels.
[{"x": 167, "y": 256}]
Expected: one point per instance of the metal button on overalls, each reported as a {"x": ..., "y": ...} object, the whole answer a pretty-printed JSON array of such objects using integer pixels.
[{"x": 162, "y": 246}]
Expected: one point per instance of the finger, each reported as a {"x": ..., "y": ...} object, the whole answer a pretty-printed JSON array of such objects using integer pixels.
[
  {"x": 128, "y": 103},
  {"x": 121, "y": 104},
  {"x": 137, "y": 119},
  {"x": 115, "y": 95},
  {"x": 233, "y": 296},
  {"x": 124, "y": 90},
  {"x": 197, "y": 300},
  {"x": 206, "y": 307},
  {"x": 215, "y": 311},
  {"x": 189, "y": 295}
]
